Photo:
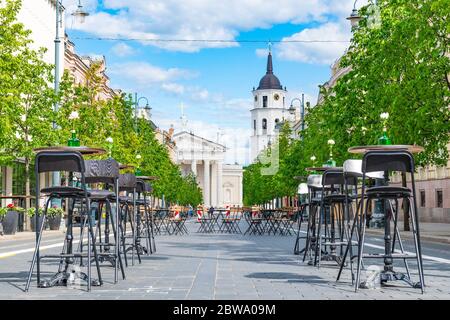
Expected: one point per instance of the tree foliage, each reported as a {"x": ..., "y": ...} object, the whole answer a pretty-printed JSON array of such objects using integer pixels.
[
  {"x": 400, "y": 66},
  {"x": 28, "y": 119}
]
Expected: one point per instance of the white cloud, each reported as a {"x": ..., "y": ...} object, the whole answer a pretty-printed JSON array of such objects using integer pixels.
[
  {"x": 173, "y": 88},
  {"x": 145, "y": 74},
  {"x": 316, "y": 52},
  {"x": 203, "y": 19},
  {"x": 123, "y": 50}
]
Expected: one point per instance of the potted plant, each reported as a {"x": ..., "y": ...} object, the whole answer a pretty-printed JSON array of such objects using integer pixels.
[
  {"x": 54, "y": 215},
  {"x": 10, "y": 218},
  {"x": 31, "y": 212}
]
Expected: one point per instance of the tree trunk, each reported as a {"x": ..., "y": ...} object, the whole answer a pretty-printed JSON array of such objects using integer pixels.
[{"x": 405, "y": 206}]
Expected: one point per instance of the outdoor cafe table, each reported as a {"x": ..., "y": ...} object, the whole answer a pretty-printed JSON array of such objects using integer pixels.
[
  {"x": 217, "y": 214},
  {"x": 61, "y": 275},
  {"x": 389, "y": 273}
]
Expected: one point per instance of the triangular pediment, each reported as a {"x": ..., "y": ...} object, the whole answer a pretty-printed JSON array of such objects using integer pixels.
[{"x": 189, "y": 140}]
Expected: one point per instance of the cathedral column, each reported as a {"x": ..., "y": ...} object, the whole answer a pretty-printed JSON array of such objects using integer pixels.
[
  {"x": 194, "y": 167},
  {"x": 219, "y": 184},
  {"x": 213, "y": 190},
  {"x": 206, "y": 183},
  {"x": 241, "y": 190}
]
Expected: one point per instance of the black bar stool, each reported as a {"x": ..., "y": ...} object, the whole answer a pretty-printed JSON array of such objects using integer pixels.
[
  {"x": 70, "y": 161},
  {"x": 128, "y": 184},
  {"x": 144, "y": 231},
  {"x": 332, "y": 202},
  {"x": 106, "y": 172},
  {"x": 314, "y": 182},
  {"x": 391, "y": 161},
  {"x": 352, "y": 176},
  {"x": 303, "y": 206}
]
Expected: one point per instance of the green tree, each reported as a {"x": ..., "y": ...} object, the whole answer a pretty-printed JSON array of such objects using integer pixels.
[
  {"x": 26, "y": 100},
  {"x": 400, "y": 67}
]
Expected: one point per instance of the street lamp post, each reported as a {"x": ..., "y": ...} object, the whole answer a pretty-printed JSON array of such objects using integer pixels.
[
  {"x": 136, "y": 107},
  {"x": 302, "y": 109},
  {"x": 80, "y": 15}
]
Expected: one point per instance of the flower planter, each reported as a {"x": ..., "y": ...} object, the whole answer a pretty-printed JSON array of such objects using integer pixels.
[
  {"x": 33, "y": 223},
  {"x": 10, "y": 221},
  {"x": 54, "y": 222}
]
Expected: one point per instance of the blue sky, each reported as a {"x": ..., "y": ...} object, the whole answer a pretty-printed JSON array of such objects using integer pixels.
[{"x": 213, "y": 80}]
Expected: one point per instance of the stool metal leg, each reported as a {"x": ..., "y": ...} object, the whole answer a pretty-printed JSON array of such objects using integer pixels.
[
  {"x": 35, "y": 259},
  {"x": 361, "y": 245}
]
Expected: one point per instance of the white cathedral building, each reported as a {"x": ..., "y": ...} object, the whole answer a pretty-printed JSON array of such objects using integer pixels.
[
  {"x": 221, "y": 183},
  {"x": 269, "y": 110}
]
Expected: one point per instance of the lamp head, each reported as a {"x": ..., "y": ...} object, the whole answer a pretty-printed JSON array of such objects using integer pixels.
[
  {"x": 79, "y": 14},
  {"x": 354, "y": 18},
  {"x": 292, "y": 109}
]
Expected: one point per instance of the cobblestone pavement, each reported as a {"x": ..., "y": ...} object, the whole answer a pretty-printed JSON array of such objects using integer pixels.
[{"x": 220, "y": 266}]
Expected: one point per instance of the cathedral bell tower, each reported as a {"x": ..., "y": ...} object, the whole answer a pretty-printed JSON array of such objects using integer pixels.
[{"x": 269, "y": 108}]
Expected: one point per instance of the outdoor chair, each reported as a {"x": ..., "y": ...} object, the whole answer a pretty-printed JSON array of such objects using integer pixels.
[
  {"x": 106, "y": 172},
  {"x": 69, "y": 161},
  {"x": 314, "y": 182},
  {"x": 128, "y": 185},
  {"x": 333, "y": 218},
  {"x": 254, "y": 221},
  {"x": 177, "y": 222},
  {"x": 352, "y": 175},
  {"x": 390, "y": 161},
  {"x": 303, "y": 205},
  {"x": 144, "y": 227},
  {"x": 231, "y": 220},
  {"x": 206, "y": 222}
]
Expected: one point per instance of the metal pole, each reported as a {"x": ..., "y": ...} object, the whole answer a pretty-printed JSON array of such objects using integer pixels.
[
  {"x": 56, "y": 179},
  {"x": 135, "y": 110},
  {"x": 303, "y": 112}
]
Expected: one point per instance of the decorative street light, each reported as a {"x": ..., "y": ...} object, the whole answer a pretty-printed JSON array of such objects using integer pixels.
[
  {"x": 302, "y": 109},
  {"x": 147, "y": 107},
  {"x": 80, "y": 15},
  {"x": 354, "y": 18}
]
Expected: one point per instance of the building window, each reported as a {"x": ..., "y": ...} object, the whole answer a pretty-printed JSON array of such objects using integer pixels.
[
  {"x": 264, "y": 101},
  {"x": 264, "y": 124},
  {"x": 422, "y": 198},
  {"x": 19, "y": 179},
  {"x": 256, "y": 98},
  {"x": 254, "y": 125},
  {"x": 439, "y": 199}
]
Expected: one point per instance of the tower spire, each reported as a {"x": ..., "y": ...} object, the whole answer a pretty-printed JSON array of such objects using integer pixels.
[{"x": 269, "y": 60}]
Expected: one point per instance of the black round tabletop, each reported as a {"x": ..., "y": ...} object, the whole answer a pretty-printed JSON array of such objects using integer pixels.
[
  {"x": 322, "y": 169},
  {"x": 393, "y": 147},
  {"x": 126, "y": 166},
  {"x": 83, "y": 150},
  {"x": 149, "y": 178}
]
